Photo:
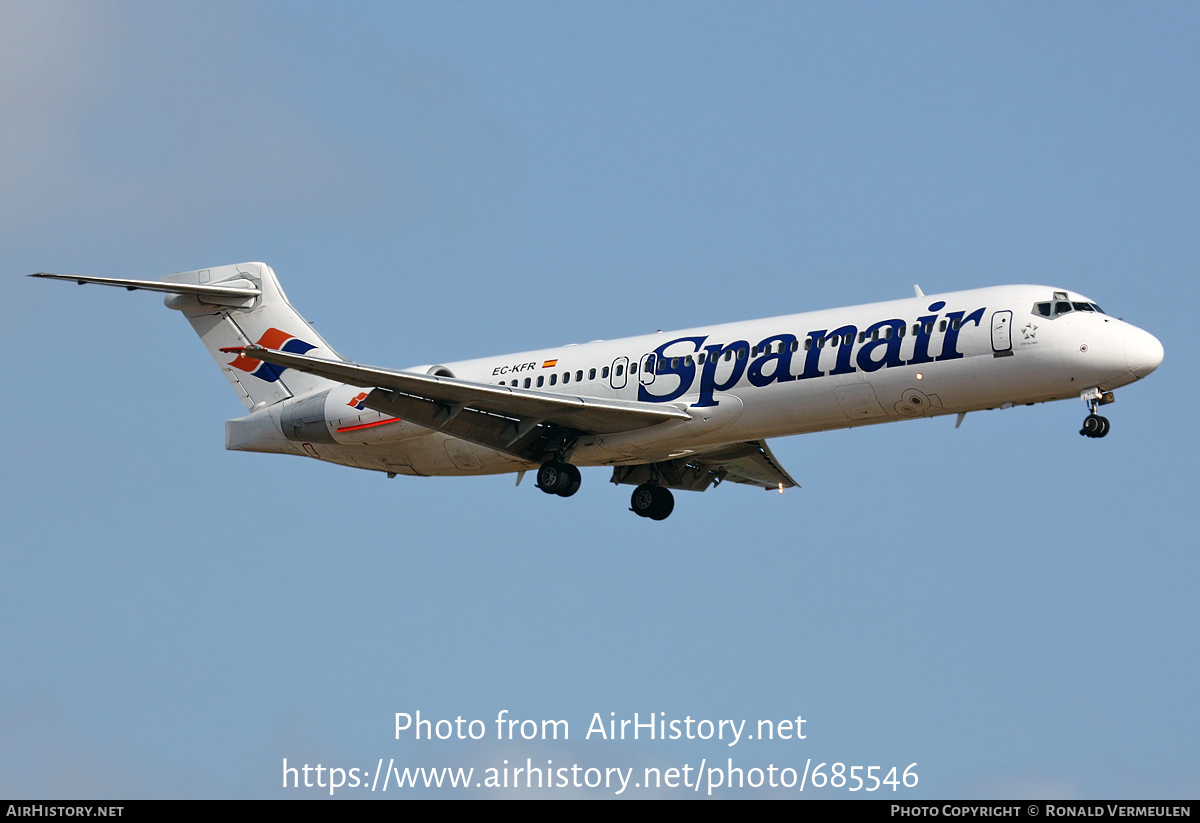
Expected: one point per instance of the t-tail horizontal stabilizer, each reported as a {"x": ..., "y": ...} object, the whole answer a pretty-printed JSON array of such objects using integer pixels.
[{"x": 232, "y": 288}]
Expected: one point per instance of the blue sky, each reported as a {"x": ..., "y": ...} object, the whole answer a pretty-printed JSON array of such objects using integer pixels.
[{"x": 1009, "y": 605}]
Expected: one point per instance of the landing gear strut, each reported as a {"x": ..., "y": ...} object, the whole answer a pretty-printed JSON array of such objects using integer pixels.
[
  {"x": 1094, "y": 425},
  {"x": 652, "y": 501},
  {"x": 556, "y": 477}
]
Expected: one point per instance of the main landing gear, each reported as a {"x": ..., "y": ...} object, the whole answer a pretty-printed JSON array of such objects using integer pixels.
[
  {"x": 1094, "y": 425},
  {"x": 648, "y": 500},
  {"x": 556, "y": 477},
  {"x": 652, "y": 501}
]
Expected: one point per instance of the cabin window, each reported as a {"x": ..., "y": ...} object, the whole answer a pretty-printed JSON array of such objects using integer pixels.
[
  {"x": 554, "y": 380},
  {"x": 741, "y": 354},
  {"x": 514, "y": 383},
  {"x": 604, "y": 373},
  {"x": 687, "y": 361},
  {"x": 633, "y": 368},
  {"x": 591, "y": 374},
  {"x": 700, "y": 358},
  {"x": 929, "y": 327},
  {"x": 729, "y": 354},
  {"x": 957, "y": 324},
  {"x": 527, "y": 382},
  {"x": 620, "y": 370},
  {"x": 849, "y": 339},
  {"x": 902, "y": 330},
  {"x": 541, "y": 380},
  {"x": 796, "y": 345},
  {"x": 942, "y": 326}
]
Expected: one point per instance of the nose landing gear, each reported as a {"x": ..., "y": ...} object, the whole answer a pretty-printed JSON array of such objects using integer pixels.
[
  {"x": 652, "y": 501},
  {"x": 1094, "y": 425}
]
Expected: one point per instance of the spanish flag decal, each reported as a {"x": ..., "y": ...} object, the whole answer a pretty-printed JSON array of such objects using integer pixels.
[{"x": 549, "y": 364}]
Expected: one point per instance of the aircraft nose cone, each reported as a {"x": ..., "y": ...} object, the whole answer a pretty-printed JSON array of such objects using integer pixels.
[{"x": 1143, "y": 352}]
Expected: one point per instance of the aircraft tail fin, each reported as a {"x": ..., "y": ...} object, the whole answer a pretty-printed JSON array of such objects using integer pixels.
[{"x": 226, "y": 319}]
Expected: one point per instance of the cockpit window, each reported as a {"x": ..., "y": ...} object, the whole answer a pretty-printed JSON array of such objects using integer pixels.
[{"x": 1060, "y": 306}]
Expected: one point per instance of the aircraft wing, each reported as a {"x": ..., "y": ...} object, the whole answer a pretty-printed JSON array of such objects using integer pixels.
[
  {"x": 500, "y": 417},
  {"x": 750, "y": 463}
]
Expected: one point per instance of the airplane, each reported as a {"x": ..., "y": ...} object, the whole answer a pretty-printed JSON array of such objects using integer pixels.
[{"x": 684, "y": 410}]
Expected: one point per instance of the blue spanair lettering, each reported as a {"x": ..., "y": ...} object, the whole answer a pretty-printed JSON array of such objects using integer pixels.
[
  {"x": 776, "y": 366},
  {"x": 676, "y": 364},
  {"x": 891, "y": 346},
  {"x": 844, "y": 349},
  {"x": 714, "y": 357},
  {"x": 812, "y": 360},
  {"x": 782, "y": 360},
  {"x": 925, "y": 334},
  {"x": 956, "y": 322}
]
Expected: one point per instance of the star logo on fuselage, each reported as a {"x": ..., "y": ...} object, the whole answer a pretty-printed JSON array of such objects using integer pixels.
[{"x": 1030, "y": 331}]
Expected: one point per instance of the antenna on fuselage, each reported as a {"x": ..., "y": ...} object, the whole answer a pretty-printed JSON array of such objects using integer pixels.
[{"x": 917, "y": 289}]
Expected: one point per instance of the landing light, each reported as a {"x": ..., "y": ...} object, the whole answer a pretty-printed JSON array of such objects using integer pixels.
[{"x": 920, "y": 376}]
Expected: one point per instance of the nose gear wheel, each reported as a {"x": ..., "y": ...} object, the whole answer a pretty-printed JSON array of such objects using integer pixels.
[{"x": 1094, "y": 426}]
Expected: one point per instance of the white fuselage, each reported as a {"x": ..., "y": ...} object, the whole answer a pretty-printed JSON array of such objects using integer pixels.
[{"x": 927, "y": 355}]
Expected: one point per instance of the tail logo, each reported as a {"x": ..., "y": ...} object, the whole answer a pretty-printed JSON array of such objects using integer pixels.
[{"x": 272, "y": 339}]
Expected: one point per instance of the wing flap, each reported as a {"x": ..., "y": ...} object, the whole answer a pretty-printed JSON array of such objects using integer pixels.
[{"x": 750, "y": 463}]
